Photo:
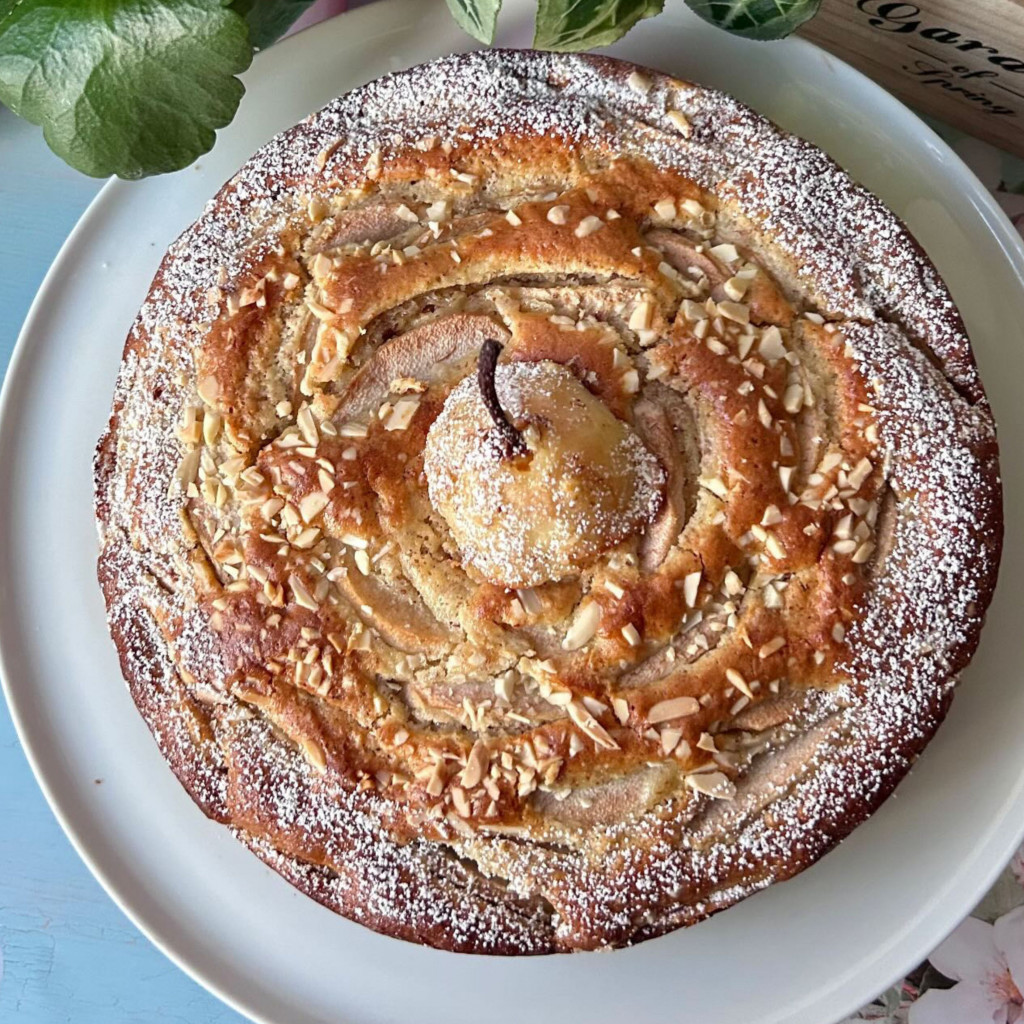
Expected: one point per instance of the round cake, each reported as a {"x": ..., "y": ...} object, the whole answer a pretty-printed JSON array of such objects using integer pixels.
[{"x": 544, "y": 503}]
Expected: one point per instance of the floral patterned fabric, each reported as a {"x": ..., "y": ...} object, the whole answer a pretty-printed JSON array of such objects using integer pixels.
[{"x": 975, "y": 976}]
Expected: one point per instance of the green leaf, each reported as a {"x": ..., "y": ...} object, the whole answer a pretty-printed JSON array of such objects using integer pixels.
[
  {"x": 269, "y": 19},
  {"x": 126, "y": 87},
  {"x": 477, "y": 17},
  {"x": 756, "y": 19},
  {"x": 582, "y": 24}
]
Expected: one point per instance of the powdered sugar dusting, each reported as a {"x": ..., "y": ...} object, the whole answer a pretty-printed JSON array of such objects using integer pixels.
[{"x": 839, "y": 251}]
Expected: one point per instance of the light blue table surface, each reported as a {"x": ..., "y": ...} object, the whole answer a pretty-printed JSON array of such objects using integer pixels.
[{"x": 68, "y": 953}]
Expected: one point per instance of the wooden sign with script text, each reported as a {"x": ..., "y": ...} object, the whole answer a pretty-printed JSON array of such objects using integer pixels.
[{"x": 960, "y": 60}]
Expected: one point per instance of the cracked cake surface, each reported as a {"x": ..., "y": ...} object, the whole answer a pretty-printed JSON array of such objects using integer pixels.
[{"x": 572, "y": 650}]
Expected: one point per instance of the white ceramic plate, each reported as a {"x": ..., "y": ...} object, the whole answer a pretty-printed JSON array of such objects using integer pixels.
[{"x": 808, "y": 951}]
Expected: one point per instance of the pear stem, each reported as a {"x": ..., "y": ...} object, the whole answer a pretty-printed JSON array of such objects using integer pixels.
[{"x": 510, "y": 440}]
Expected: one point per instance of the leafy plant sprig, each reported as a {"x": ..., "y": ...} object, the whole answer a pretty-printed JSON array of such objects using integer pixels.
[{"x": 139, "y": 87}]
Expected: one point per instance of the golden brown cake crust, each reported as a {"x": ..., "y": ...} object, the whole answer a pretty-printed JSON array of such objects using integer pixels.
[{"x": 700, "y": 692}]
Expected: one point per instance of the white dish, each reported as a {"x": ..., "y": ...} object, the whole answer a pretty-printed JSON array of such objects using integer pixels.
[{"x": 807, "y": 951}]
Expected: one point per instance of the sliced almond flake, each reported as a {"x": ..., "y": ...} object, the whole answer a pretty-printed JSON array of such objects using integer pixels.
[
  {"x": 707, "y": 742},
  {"x": 306, "y": 538},
  {"x": 589, "y": 725},
  {"x": 639, "y": 83},
  {"x": 642, "y": 315},
  {"x": 504, "y": 686},
  {"x": 844, "y": 528},
  {"x": 863, "y": 553},
  {"x": 691, "y": 584},
  {"x": 461, "y": 802},
  {"x": 774, "y": 546},
  {"x": 682, "y": 122},
  {"x": 312, "y": 504},
  {"x": 188, "y": 467},
  {"x": 856, "y": 477},
  {"x": 588, "y": 226},
  {"x": 763, "y": 414},
  {"x": 319, "y": 310},
  {"x": 362, "y": 560},
  {"x": 530, "y": 600},
  {"x": 665, "y": 209},
  {"x": 307, "y": 425},
  {"x": 786, "y": 476},
  {"x": 744, "y": 344},
  {"x": 476, "y": 765},
  {"x": 212, "y": 423},
  {"x": 402, "y": 413},
  {"x": 714, "y": 784},
  {"x": 301, "y": 594},
  {"x": 715, "y": 485},
  {"x": 317, "y": 209},
  {"x": 373, "y": 165},
  {"x": 560, "y": 698},
  {"x": 771, "y": 346},
  {"x": 770, "y": 648},
  {"x": 325, "y": 479},
  {"x": 584, "y": 626},
  {"x": 793, "y": 398},
  {"x": 438, "y": 211},
  {"x": 631, "y": 634},
  {"x": 736, "y": 287},
  {"x": 735, "y": 311},
  {"x": 614, "y": 589},
  {"x": 725, "y": 252},
  {"x": 830, "y": 461},
  {"x": 674, "y": 707},
  {"x": 736, "y": 678},
  {"x": 670, "y": 738},
  {"x": 668, "y": 271},
  {"x": 558, "y": 214},
  {"x": 621, "y": 708}
]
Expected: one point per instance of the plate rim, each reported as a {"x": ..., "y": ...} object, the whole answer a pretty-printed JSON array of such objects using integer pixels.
[{"x": 383, "y": 13}]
